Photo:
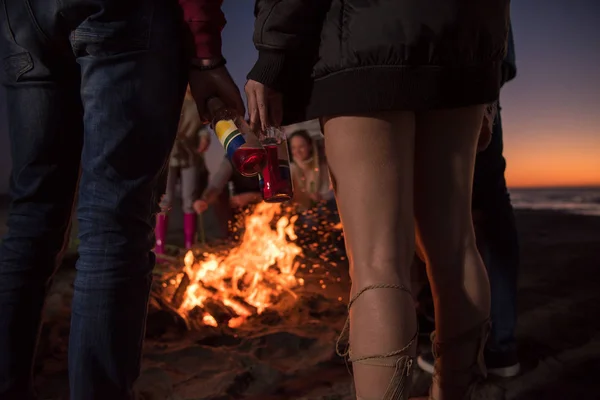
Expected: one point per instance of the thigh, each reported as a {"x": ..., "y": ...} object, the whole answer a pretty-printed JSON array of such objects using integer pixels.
[
  {"x": 189, "y": 182},
  {"x": 133, "y": 81},
  {"x": 371, "y": 164},
  {"x": 44, "y": 120},
  {"x": 446, "y": 143}
]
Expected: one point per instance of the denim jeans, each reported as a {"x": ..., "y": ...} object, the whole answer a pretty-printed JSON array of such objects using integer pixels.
[
  {"x": 94, "y": 91},
  {"x": 497, "y": 240}
]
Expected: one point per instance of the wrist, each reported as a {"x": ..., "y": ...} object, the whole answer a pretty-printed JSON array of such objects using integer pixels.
[
  {"x": 269, "y": 69},
  {"x": 207, "y": 64}
]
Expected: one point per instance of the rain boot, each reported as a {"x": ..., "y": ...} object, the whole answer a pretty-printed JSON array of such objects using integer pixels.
[
  {"x": 189, "y": 229},
  {"x": 160, "y": 232}
]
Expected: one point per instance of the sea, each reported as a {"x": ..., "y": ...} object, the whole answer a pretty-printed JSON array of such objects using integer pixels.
[{"x": 574, "y": 200}]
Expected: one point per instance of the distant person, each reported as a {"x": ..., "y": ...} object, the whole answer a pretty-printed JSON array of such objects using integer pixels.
[
  {"x": 186, "y": 165},
  {"x": 229, "y": 192},
  {"x": 94, "y": 93},
  {"x": 498, "y": 244},
  {"x": 310, "y": 175}
]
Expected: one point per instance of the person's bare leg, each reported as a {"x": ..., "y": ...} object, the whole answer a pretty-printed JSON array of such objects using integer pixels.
[
  {"x": 445, "y": 149},
  {"x": 371, "y": 164}
]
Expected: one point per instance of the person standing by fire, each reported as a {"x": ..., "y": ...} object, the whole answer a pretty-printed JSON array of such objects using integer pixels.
[
  {"x": 94, "y": 93},
  {"x": 185, "y": 166},
  {"x": 402, "y": 89},
  {"x": 498, "y": 242}
]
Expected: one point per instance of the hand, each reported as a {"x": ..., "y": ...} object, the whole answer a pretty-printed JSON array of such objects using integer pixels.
[
  {"x": 485, "y": 134},
  {"x": 200, "y": 206},
  {"x": 239, "y": 201},
  {"x": 204, "y": 143},
  {"x": 242, "y": 200},
  {"x": 214, "y": 83},
  {"x": 264, "y": 106}
]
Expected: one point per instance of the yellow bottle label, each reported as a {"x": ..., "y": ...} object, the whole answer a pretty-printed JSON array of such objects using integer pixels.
[{"x": 228, "y": 134}]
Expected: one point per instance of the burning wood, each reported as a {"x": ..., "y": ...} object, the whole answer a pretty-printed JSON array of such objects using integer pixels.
[
  {"x": 226, "y": 288},
  {"x": 179, "y": 295},
  {"x": 219, "y": 311}
]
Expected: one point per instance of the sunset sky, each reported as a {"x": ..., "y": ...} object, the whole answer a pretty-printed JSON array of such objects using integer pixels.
[{"x": 551, "y": 111}]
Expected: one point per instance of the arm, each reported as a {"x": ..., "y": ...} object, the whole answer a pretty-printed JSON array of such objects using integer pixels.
[
  {"x": 286, "y": 35},
  {"x": 203, "y": 140},
  {"x": 300, "y": 196},
  {"x": 326, "y": 190},
  {"x": 242, "y": 200},
  {"x": 205, "y": 21},
  {"x": 218, "y": 182}
]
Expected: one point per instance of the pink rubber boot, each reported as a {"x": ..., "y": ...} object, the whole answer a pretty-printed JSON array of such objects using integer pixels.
[
  {"x": 160, "y": 232},
  {"x": 189, "y": 229}
]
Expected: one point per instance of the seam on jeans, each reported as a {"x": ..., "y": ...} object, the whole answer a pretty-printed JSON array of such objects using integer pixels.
[
  {"x": 11, "y": 34},
  {"x": 34, "y": 21}
]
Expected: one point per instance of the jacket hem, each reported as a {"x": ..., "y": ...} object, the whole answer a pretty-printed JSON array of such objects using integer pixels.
[{"x": 386, "y": 88}]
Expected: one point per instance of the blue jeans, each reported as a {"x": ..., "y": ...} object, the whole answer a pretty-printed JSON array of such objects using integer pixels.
[
  {"x": 497, "y": 240},
  {"x": 94, "y": 91}
]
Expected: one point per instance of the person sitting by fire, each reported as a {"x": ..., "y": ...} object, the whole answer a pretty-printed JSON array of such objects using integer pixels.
[
  {"x": 309, "y": 173},
  {"x": 243, "y": 191}
]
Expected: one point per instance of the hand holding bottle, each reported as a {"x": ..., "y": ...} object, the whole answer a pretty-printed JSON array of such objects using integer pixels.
[
  {"x": 214, "y": 82},
  {"x": 243, "y": 149},
  {"x": 264, "y": 106}
]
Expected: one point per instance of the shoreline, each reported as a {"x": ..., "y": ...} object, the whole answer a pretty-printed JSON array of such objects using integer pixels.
[{"x": 292, "y": 357}]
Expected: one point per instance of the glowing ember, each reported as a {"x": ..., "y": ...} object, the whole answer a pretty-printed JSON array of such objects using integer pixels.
[{"x": 250, "y": 277}]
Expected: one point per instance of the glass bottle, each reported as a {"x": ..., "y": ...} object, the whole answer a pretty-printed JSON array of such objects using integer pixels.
[
  {"x": 276, "y": 182},
  {"x": 243, "y": 149}
]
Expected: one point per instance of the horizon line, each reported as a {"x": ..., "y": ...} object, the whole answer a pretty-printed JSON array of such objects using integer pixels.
[{"x": 560, "y": 186}]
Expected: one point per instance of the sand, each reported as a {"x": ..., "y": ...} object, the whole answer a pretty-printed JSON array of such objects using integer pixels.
[{"x": 288, "y": 353}]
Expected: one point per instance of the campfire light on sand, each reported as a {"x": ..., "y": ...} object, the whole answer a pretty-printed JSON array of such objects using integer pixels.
[{"x": 226, "y": 289}]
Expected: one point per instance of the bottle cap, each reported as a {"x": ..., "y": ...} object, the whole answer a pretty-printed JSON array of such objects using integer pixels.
[{"x": 214, "y": 104}]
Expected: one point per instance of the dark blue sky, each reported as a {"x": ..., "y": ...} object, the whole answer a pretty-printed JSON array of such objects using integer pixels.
[{"x": 551, "y": 111}]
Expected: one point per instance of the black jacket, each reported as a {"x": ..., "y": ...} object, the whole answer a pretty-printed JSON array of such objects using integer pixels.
[{"x": 332, "y": 57}]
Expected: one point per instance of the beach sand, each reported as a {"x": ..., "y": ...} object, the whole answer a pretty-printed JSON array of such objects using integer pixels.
[{"x": 288, "y": 353}]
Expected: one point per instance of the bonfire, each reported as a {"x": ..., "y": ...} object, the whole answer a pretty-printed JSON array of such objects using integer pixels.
[{"x": 226, "y": 287}]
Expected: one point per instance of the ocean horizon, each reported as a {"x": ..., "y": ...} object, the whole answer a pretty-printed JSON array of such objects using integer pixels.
[{"x": 583, "y": 200}]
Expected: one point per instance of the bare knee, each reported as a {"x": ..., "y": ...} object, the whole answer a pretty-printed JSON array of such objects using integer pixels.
[{"x": 383, "y": 262}]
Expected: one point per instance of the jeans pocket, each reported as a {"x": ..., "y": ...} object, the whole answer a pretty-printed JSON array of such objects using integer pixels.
[
  {"x": 16, "y": 65},
  {"x": 16, "y": 61},
  {"x": 121, "y": 28}
]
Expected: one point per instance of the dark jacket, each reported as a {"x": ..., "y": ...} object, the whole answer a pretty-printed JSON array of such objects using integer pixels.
[{"x": 332, "y": 57}]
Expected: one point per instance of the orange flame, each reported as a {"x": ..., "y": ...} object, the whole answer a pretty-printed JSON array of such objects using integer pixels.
[{"x": 254, "y": 273}]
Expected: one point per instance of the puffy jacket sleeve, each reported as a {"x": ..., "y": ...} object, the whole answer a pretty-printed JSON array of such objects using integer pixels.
[{"x": 286, "y": 35}]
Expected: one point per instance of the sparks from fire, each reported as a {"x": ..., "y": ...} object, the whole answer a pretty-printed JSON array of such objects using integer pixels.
[{"x": 251, "y": 276}]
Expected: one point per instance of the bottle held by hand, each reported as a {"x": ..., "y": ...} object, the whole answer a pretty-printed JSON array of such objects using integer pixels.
[
  {"x": 243, "y": 149},
  {"x": 276, "y": 184}
]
